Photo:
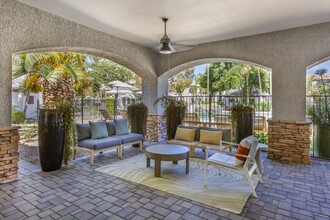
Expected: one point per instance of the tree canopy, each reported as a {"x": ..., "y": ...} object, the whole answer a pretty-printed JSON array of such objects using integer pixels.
[
  {"x": 181, "y": 81},
  {"x": 99, "y": 71},
  {"x": 319, "y": 82},
  {"x": 217, "y": 82},
  {"x": 226, "y": 76},
  {"x": 58, "y": 75},
  {"x": 104, "y": 71}
]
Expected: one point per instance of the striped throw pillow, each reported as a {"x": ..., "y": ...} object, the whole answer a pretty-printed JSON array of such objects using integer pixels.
[{"x": 243, "y": 148}]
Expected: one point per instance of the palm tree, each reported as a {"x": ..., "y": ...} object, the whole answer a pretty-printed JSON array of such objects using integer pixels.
[
  {"x": 58, "y": 75},
  {"x": 24, "y": 64}
]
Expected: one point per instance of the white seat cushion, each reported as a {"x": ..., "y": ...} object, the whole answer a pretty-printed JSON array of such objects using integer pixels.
[
  {"x": 224, "y": 160},
  {"x": 218, "y": 147}
]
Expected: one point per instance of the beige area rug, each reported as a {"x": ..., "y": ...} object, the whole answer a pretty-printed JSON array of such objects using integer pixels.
[{"x": 228, "y": 190}]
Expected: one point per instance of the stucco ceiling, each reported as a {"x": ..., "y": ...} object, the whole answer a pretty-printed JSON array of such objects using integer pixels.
[{"x": 190, "y": 21}]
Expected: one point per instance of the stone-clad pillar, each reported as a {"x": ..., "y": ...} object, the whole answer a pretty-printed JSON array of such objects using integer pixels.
[
  {"x": 289, "y": 141},
  {"x": 9, "y": 139},
  {"x": 156, "y": 128}
]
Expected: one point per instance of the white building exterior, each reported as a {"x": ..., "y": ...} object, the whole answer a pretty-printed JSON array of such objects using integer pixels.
[
  {"x": 18, "y": 98},
  {"x": 18, "y": 102}
]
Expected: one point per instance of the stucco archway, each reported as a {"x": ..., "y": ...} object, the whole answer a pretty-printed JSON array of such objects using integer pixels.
[
  {"x": 163, "y": 79},
  {"x": 174, "y": 70},
  {"x": 318, "y": 62},
  {"x": 144, "y": 73},
  {"x": 124, "y": 61},
  {"x": 26, "y": 29},
  {"x": 286, "y": 52}
]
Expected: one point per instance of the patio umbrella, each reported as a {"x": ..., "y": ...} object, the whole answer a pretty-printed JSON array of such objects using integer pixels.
[
  {"x": 119, "y": 91},
  {"x": 19, "y": 82},
  {"x": 120, "y": 86}
]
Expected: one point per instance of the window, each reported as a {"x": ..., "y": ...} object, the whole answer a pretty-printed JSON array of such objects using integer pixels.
[{"x": 31, "y": 100}]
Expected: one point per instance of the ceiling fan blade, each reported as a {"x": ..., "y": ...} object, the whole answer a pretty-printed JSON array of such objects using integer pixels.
[
  {"x": 156, "y": 46},
  {"x": 173, "y": 49},
  {"x": 182, "y": 47}
]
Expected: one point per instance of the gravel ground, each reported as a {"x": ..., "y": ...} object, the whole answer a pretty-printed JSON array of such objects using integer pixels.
[{"x": 31, "y": 154}]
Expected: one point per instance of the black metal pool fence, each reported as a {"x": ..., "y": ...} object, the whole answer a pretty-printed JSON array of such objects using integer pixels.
[{"x": 213, "y": 110}]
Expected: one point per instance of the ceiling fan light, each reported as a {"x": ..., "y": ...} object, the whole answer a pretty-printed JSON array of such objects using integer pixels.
[{"x": 165, "y": 49}]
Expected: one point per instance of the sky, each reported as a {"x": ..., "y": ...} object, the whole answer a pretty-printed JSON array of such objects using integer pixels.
[
  {"x": 201, "y": 68},
  {"x": 325, "y": 64}
]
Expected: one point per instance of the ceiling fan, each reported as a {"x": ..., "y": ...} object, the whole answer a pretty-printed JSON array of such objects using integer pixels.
[{"x": 167, "y": 46}]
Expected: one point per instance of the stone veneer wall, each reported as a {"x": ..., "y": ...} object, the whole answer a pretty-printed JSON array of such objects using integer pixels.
[
  {"x": 156, "y": 128},
  {"x": 289, "y": 141},
  {"x": 9, "y": 139}
]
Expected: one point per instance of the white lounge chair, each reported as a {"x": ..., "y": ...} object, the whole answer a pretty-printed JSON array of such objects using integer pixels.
[{"x": 226, "y": 159}]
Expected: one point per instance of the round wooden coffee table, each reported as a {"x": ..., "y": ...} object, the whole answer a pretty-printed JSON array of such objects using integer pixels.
[{"x": 167, "y": 152}]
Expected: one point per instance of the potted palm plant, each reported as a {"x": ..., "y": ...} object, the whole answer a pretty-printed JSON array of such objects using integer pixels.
[
  {"x": 58, "y": 76},
  {"x": 319, "y": 113}
]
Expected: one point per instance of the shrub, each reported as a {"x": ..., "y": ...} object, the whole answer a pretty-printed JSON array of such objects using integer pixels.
[
  {"x": 206, "y": 102},
  {"x": 109, "y": 103},
  {"x": 17, "y": 117},
  {"x": 263, "y": 106},
  {"x": 30, "y": 133},
  {"x": 137, "y": 115},
  {"x": 174, "y": 112},
  {"x": 263, "y": 137}
]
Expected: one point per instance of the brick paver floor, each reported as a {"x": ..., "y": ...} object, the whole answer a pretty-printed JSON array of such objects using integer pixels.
[{"x": 290, "y": 191}]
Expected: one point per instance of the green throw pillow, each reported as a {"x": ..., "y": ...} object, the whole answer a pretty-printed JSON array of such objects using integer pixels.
[
  {"x": 98, "y": 129},
  {"x": 121, "y": 126}
]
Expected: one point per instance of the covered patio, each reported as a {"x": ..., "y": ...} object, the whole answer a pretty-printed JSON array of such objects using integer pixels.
[
  {"x": 285, "y": 37},
  {"x": 290, "y": 191}
]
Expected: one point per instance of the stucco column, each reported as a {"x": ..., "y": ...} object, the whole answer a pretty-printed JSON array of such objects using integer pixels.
[
  {"x": 149, "y": 92},
  {"x": 161, "y": 90},
  {"x": 5, "y": 88},
  {"x": 289, "y": 91}
]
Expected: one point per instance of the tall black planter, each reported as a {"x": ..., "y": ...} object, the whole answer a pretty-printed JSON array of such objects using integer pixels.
[
  {"x": 51, "y": 139},
  {"x": 243, "y": 123},
  {"x": 174, "y": 117},
  {"x": 322, "y": 141},
  {"x": 137, "y": 115}
]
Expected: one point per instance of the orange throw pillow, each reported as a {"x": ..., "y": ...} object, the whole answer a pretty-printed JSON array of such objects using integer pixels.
[{"x": 244, "y": 149}]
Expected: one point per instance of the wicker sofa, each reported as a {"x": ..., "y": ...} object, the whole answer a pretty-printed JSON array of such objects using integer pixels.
[
  {"x": 226, "y": 137},
  {"x": 85, "y": 142}
]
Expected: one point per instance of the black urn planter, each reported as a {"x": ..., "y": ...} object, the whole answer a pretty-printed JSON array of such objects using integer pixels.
[
  {"x": 243, "y": 122},
  {"x": 51, "y": 139},
  {"x": 322, "y": 141},
  {"x": 137, "y": 116}
]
